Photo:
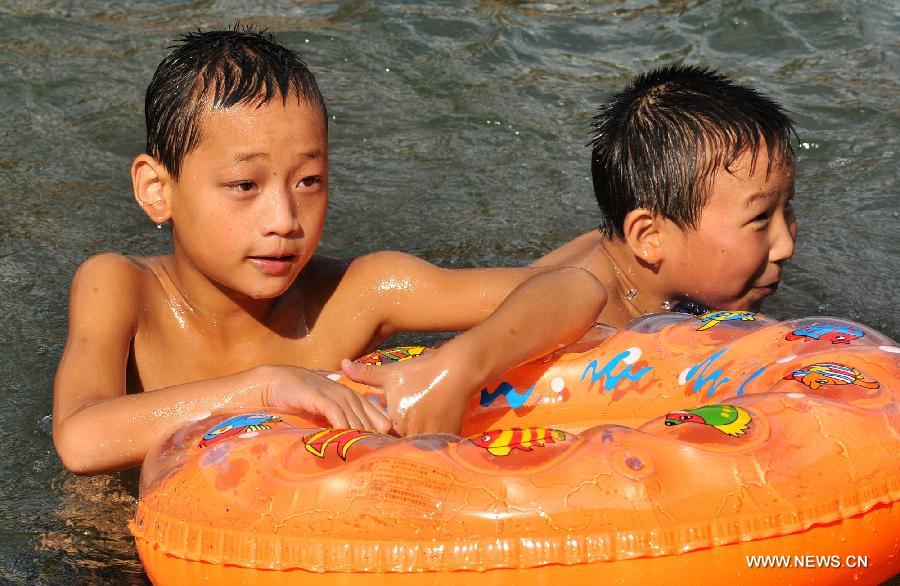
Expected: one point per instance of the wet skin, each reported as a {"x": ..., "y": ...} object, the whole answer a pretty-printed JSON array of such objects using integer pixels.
[
  {"x": 241, "y": 310},
  {"x": 733, "y": 259}
]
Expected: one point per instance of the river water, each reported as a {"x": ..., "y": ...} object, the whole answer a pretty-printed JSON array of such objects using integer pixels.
[{"x": 458, "y": 134}]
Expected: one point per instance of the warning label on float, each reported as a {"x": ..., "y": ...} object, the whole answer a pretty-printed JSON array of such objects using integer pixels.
[{"x": 402, "y": 482}]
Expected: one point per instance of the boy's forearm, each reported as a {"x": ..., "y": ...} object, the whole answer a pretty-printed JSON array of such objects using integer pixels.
[
  {"x": 117, "y": 433},
  {"x": 546, "y": 312}
]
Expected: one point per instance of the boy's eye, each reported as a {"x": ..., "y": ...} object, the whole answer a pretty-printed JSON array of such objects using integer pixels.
[
  {"x": 310, "y": 181},
  {"x": 761, "y": 217},
  {"x": 242, "y": 186}
]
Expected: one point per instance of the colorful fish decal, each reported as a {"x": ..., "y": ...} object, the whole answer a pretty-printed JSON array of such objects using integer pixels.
[
  {"x": 714, "y": 318},
  {"x": 500, "y": 442},
  {"x": 236, "y": 426},
  {"x": 386, "y": 355},
  {"x": 317, "y": 443},
  {"x": 834, "y": 333},
  {"x": 830, "y": 373},
  {"x": 726, "y": 418}
]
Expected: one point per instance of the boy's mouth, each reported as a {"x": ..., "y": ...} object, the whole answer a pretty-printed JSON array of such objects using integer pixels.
[
  {"x": 274, "y": 265},
  {"x": 769, "y": 289}
]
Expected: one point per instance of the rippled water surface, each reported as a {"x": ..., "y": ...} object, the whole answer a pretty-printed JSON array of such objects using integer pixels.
[{"x": 458, "y": 135}]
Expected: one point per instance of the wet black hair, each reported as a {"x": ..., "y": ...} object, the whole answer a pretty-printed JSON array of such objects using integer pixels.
[
  {"x": 658, "y": 143},
  {"x": 218, "y": 69}
]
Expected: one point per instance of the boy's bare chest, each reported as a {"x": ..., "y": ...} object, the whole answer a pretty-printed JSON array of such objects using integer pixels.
[{"x": 168, "y": 351}]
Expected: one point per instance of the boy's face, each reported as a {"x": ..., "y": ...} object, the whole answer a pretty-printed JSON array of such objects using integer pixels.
[
  {"x": 747, "y": 229},
  {"x": 249, "y": 207}
]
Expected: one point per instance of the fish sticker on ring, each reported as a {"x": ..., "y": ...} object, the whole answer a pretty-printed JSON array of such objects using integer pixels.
[
  {"x": 728, "y": 419},
  {"x": 826, "y": 332},
  {"x": 388, "y": 355},
  {"x": 500, "y": 442},
  {"x": 714, "y": 318},
  {"x": 237, "y": 425},
  {"x": 342, "y": 439},
  {"x": 830, "y": 373}
]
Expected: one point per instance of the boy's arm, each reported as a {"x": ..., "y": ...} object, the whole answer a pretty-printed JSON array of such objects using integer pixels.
[
  {"x": 97, "y": 427},
  {"x": 515, "y": 315}
]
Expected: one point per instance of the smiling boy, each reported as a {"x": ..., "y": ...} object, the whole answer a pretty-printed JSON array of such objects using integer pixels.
[
  {"x": 694, "y": 176},
  {"x": 242, "y": 310}
]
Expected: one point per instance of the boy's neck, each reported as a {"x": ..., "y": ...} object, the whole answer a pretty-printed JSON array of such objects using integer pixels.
[
  {"x": 632, "y": 280},
  {"x": 213, "y": 306}
]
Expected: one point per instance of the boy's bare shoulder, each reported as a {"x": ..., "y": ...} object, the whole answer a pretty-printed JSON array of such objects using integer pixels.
[
  {"x": 341, "y": 283},
  {"x": 111, "y": 278},
  {"x": 576, "y": 252},
  {"x": 384, "y": 261},
  {"x": 387, "y": 270},
  {"x": 361, "y": 272},
  {"x": 109, "y": 269}
]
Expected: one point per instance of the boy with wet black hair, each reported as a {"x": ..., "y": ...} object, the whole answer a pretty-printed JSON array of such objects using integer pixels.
[
  {"x": 242, "y": 310},
  {"x": 694, "y": 175}
]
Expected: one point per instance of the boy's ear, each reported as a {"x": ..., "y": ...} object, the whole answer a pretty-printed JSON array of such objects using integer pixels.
[
  {"x": 150, "y": 181},
  {"x": 642, "y": 235}
]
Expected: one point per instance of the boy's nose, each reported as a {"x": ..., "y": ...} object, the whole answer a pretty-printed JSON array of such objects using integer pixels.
[
  {"x": 281, "y": 215},
  {"x": 783, "y": 237}
]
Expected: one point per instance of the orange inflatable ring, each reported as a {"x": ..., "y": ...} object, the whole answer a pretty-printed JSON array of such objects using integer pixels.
[{"x": 724, "y": 449}]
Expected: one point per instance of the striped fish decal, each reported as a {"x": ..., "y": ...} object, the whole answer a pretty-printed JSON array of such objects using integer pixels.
[
  {"x": 714, "y": 318},
  {"x": 317, "y": 443},
  {"x": 387, "y": 355},
  {"x": 500, "y": 442},
  {"x": 830, "y": 373}
]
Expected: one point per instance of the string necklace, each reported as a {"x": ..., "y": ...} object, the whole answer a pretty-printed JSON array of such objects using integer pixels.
[{"x": 631, "y": 292}]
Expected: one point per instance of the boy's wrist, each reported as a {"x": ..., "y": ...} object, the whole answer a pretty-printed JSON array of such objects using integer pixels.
[
  {"x": 255, "y": 386},
  {"x": 466, "y": 361}
]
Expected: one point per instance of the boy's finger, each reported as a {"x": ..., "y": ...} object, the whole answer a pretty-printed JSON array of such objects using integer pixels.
[
  {"x": 351, "y": 410},
  {"x": 335, "y": 415},
  {"x": 379, "y": 419},
  {"x": 355, "y": 405},
  {"x": 400, "y": 426},
  {"x": 362, "y": 373}
]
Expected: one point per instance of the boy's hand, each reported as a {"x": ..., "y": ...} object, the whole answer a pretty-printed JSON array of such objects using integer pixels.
[
  {"x": 290, "y": 388},
  {"x": 428, "y": 394}
]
